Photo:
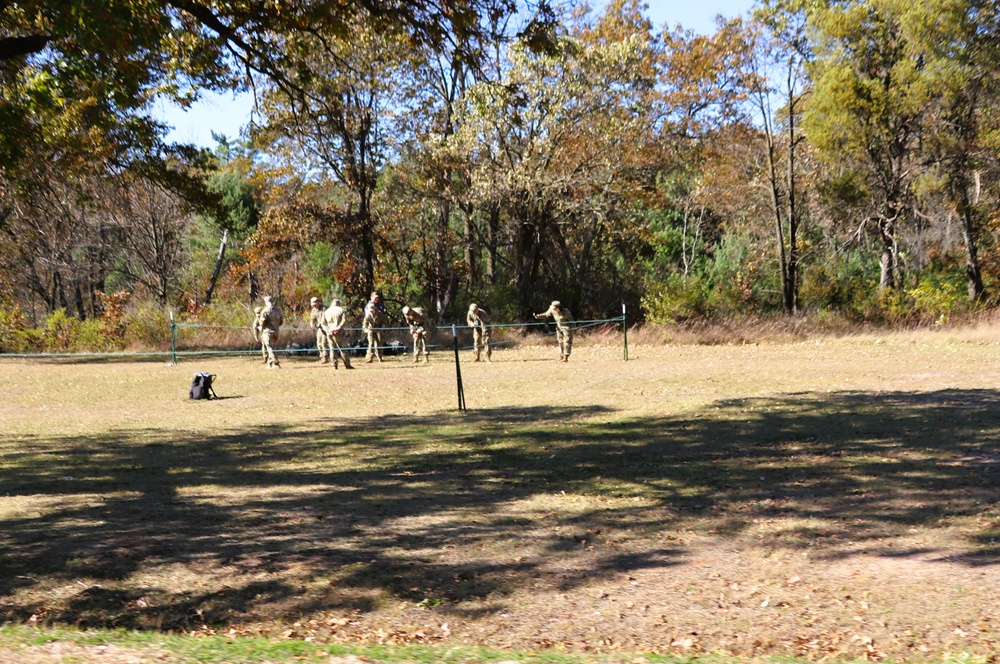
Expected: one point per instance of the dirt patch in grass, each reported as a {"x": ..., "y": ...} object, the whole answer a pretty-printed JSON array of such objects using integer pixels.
[{"x": 835, "y": 498}]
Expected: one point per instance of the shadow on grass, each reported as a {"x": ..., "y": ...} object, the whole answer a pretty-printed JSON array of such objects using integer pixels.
[{"x": 350, "y": 513}]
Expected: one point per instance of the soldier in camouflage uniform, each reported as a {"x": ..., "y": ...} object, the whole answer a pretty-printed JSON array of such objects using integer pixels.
[
  {"x": 315, "y": 323},
  {"x": 564, "y": 333},
  {"x": 271, "y": 320},
  {"x": 256, "y": 328},
  {"x": 333, "y": 321},
  {"x": 417, "y": 320},
  {"x": 374, "y": 319},
  {"x": 479, "y": 321}
]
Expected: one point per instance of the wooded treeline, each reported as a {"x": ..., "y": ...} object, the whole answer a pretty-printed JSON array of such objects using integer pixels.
[{"x": 836, "y": 157}]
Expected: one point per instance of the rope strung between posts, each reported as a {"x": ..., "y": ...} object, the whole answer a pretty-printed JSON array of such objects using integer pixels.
[{"x": 574, "y": 325}]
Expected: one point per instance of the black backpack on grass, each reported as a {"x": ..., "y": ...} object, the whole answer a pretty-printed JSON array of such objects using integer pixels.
[{"x": 201, "y": 386}]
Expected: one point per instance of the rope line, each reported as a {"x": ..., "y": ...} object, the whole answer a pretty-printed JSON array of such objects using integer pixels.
[{"x": 574, "y": 326}]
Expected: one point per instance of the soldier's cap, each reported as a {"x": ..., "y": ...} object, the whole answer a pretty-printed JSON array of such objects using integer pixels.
[
  {"x": 555, "y": 303},
  {"x": 267, "y": 298},
  {"x": 473, "y": 307},
  {"x": 257, "y": 310},
  {"x": 406, "y": 310},
  {"x": 313, "y": 300},
  {"x": 336, "y": 302}
]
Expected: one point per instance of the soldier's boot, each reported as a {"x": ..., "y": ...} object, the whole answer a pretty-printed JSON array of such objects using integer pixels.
[
  {"x": 489, "y": 355},
  {"x": 347, "y": 362},
  {"x": 416, "y": 357},
  {"x": 565, "y": 358},
  {"x": 427, "y": 357}
]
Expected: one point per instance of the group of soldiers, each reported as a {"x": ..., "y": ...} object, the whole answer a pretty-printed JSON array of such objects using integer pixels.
[{"x": 329, "y": 324}]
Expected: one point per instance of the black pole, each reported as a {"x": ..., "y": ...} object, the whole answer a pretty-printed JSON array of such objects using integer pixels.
[
  {"x": 458, "y": 370},
  {"x": 625, "y": 331}
]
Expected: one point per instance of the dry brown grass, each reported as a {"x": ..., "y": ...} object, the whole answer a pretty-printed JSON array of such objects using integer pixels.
[{"x": 833, "y": 497}]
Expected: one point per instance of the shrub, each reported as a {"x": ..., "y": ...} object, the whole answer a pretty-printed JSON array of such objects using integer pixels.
[
  {"x": 845, "y": 284},
  {"x": 675, "y": 300},
  {"x": 147, "y": 325},
  {"x": 15, "y": 335},
  {"x": 739, "y": 284},
  {"x": 938, "y": 296}
]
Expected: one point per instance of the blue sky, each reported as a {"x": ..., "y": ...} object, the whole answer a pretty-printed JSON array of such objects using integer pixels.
[{"x": 227, "y": 114}]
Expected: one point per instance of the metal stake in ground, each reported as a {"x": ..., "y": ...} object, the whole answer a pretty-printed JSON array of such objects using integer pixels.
[
  {"x": 458, "y": 370},
  {"x": 625, "y": 331},
  {"x": 173, "y": 340}
]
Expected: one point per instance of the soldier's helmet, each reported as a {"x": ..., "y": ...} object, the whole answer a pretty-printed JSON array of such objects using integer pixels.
[
  {"x": 313, "y": 300},
  {"x": 406, "y": 310},
  {"x": 336, "y": 302},
  {"x": 267, "y": 299},
  {"x": 473, "y": 307},
  {"x": 555, "y": 304}
]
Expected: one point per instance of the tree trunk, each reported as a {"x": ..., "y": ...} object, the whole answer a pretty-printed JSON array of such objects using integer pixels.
[
  {"x": 218, "y": 267},
  {"x": 973, "y": 273},
  {"x": 491, "y": 242},
  {"x": 470, "y": 248},
  {"x": 366, "y": 228},
  {"x": 81, "y": 311},
  {"x": 791, "y": 269},
  {"x": 441, "y": 258},
  {"x": 887, "y": 262},
  {"x": 779, "y": 232}
]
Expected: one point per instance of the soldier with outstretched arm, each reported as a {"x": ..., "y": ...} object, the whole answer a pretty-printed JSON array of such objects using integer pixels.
[{"x": 564, "y": 333}]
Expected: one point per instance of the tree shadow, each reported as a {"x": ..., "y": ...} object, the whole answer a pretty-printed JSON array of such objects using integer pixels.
[{"x": 349, "y": 513}]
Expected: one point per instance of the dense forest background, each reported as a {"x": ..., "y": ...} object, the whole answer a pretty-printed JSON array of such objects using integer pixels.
[{"x": 815, "y": 158}]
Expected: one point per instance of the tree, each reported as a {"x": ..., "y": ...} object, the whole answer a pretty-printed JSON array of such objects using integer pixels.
[
  {"x": 777, "y": 87},
  {"x": 151, "y": 225},
  {"x": 239, "y": 207},
  {"x": 334, "y": 118},
  {"x": 962, "y": 58},
  {"x": 870, "y": 94},
  {"x": 554, "y": 146}
]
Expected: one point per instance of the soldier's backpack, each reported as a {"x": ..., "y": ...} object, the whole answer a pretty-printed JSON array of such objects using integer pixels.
[{"x": 201, "y": 386}]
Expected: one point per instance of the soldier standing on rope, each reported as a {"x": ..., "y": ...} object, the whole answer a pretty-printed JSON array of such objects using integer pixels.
[
  {"x": 479, "y": 321},
  {"x": 316, "y": 324},
  {"x": 271, "y": 320},
  {"x": 417, "y": 320},
  {"x": 371, "y": 325},
  {"x": 333, "y": 321},
  {"x": 564, "y": 333}
]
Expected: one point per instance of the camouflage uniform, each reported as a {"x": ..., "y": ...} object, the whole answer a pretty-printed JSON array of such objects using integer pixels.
[
  {"x": 417, "y": 320},
  {"x": 374, "y": 320},
  {"x": 315, "y": 323},
  {"x": 564, "y": 333},
  {"x": 333, "y": 321},
  {"x": 270, "y": 325},
  {"x": 256, "y": 328},
  {"x": 479, "y": 321}
]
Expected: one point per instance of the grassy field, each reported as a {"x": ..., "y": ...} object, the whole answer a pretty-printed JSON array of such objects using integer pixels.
[{"x": 836, "y": 498}]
